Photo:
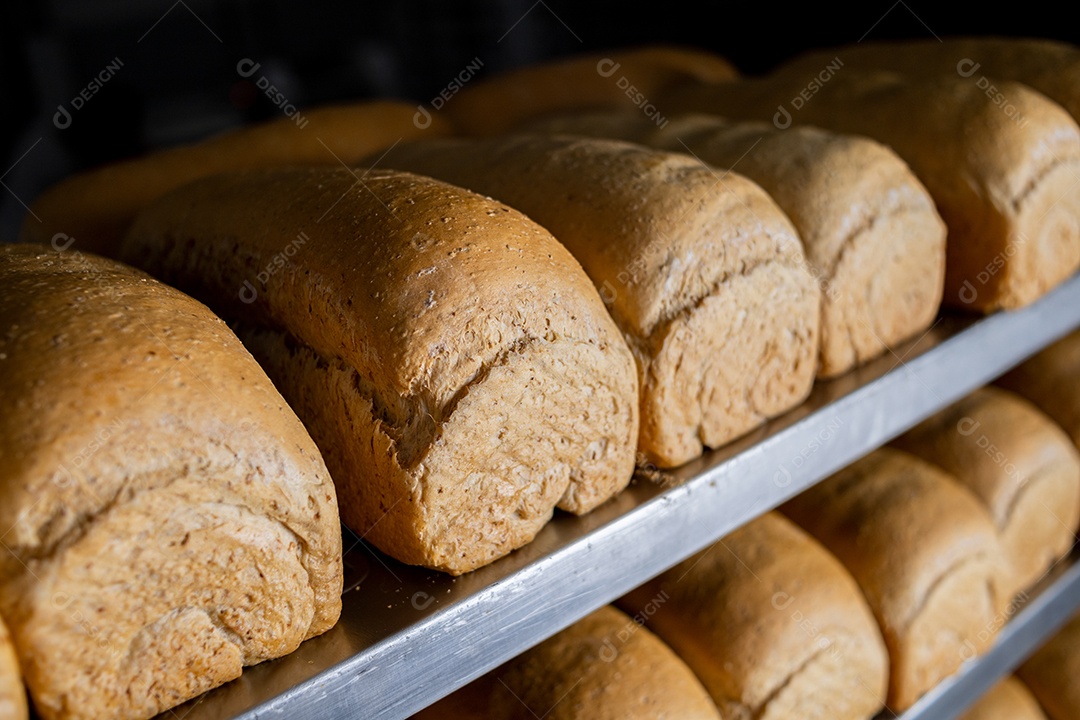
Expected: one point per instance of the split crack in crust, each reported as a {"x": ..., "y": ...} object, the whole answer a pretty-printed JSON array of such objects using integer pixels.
[{"x": 385, "y": 295}]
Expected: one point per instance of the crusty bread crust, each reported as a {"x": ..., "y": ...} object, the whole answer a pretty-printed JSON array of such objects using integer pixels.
[
  {"x": 603, "y": 667},
  {"x": 1052, "y": 671},
  {"x": 1002, "y": 170},
  {"x": 926, "y": 555},
  {"x": 1008, "y": 700},
  {"x": 1049, "y": 66},
  {"x": 451, "y": 359},
  {"x": 773, "y": 625},
  {"x": 625, "y": 79},
  {"x": 701, "y": 270},
  {"x": 1022, "y": 466},
  {"x": 872, "y": 237},
  {"x": 170, "y": 519},
  {"x": 1049, "y": 381}
]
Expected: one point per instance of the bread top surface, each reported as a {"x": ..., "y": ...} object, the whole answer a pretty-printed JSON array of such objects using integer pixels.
[
  {"x": 604, "y": 666},
  {"x": 830, "y": 185},
  {"x": 1049, "y": 381},
  {"x": 995, "y": 441},
  {"x": 751, "y": 612},
  {"x": 945, "y": 127},
  {"x": 500, "y": 103},
  {"x": 96, "y": 207},
  {"x": 117, "y": 384},
  {"x": 416, "y": 284},
  {"x": 656, "y": 231},
  {"x": 1051, "y": 673},
  {"x": 1050, "y": 66},
  {"x": 1008, "y": 700},
  {"x": 899, "y": 525}
]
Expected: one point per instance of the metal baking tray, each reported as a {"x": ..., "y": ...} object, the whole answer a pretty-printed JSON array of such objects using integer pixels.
[{"x": 408, "y": 636}]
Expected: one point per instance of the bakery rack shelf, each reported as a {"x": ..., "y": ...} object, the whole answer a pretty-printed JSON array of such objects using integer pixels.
[{"x": 409, "y": 636}]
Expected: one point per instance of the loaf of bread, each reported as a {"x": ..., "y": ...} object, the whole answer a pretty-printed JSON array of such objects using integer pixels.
[
  {"x": 168, "y": 518},
  {"x": 1051, "y": 673},
  {"x": 627, "y": 79},
  {"x": 604, "y": 667},
  {"x": 1050, "y": 66},
  {"x": 1019, "y": 463},
  {"x": 926, "y": 555},
  {"x": 1008, "y": 700},
  {"x": 1049, "y": 380},
  {"x": 12, "y": 694},
  {"x": 704, "y": 274},
  {"x": 449, "y": 356},
  {"x": 90, "y": 211},
  {"x": 1001, "y": 170},
  {"x": 871, "y": 235},
  {"x": 772, "y": 624}
]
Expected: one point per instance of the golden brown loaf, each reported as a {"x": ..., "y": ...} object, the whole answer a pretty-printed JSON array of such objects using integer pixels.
[
  {"x": 1008, "y": 700},
  {"x": 604, "y": 667},
  {"x": 1049, "y": 66},
  {"x": 703, "y": 274},
  {"x": 170, "y": 519},
  {"x": 1019, "y": 463},
  {"x": 91, "y": 210},
  {"x": 1051, "y": 673},
  {"x": 450, "y": 358},
  {"x": 772, "y": 624},
  {"x": 12, "y": 694},
  {"x": 926, "y": 555},
  {"x": 1003, "y": 174},
  {"x": 627, "y": 79},
  {"x": 871, "y": 235},
  {"x": 1049, "y": 380}
]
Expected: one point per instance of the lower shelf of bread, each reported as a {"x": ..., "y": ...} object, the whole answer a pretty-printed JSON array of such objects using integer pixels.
[
  {"x": 1032, "y": 618},
  {"x": 408, "y": 636}
]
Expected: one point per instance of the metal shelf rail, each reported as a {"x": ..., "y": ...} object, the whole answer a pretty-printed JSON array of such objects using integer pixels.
[{"x": 408, "y": 636}]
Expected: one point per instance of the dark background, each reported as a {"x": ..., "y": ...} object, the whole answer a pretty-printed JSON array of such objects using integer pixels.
[{"x": 178, "y": 81}]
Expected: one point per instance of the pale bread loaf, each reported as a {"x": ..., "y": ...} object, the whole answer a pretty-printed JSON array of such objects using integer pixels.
[
  {"x": 1008, "y": 700},
  {"x": 1003, "y": 175},
  {"x": 702, "y": 272},
  {"x": 1019, "y": 463},
  {"x": 450, "y": 358},
  {"x": 12, "y": 693},
  {"x": 1049, "y": 380},
  {"x": 626, "y": 79},
  {"x": 1051, "y": 673},
  {"x": 170, "y": 520},
  {"x": 603, "y": 667},
  {"x": 1050, "y": 66},
  {"x": 871, "y": 235},
  {"x": 926, "y": 555},
  {"x": 773, "y": 625},
  {"x": 91, "y": 211}
]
